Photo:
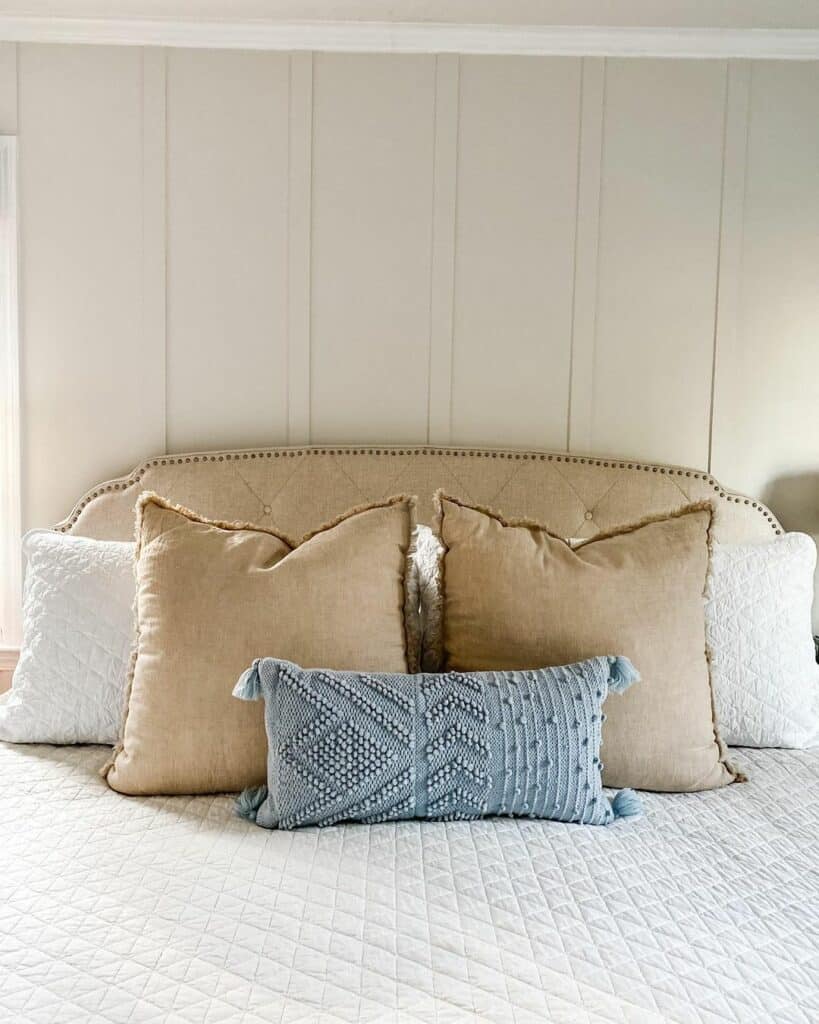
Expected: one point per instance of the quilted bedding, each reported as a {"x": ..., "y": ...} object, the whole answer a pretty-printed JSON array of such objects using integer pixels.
[{"x": 118, "y": 909}]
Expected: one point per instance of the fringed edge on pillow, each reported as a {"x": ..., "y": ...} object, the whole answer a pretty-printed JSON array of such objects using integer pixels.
[
  {"x": 152, "y": 498},
  {"x": 441, "y": 496},
  {"x": 436, "y": 646},
  {"x": 129, "y": 679},
  {"x": 413, "y": 635},
  {"x": 738, "y": 775},
  {"x": 656, "y": 517},
  {"x": 396, "y": 499},
  {"x": 412, "y": 622},
  {"x": 722, "y": 750}
]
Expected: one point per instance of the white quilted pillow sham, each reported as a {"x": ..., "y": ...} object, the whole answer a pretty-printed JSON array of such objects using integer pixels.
[
  {"x": 758, "y": 628},
  {"x": 78, "y": 602}
]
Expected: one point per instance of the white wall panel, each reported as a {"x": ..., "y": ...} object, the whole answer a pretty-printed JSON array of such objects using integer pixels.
[
  {"x": 387, "y": 249},
  {"x": 514, "y": 250},
  {"x": 8, "y": 88},
  {"x": 300, "y": 197},
  {"x": 154, "y": 215},
  {"x": 729, "y": 277},
  {"x": 89, "y": 396},
  {"x": 373, "y": 124},
  {"x": 444, "y": 208},
  {"x": 657, "y": 265},
  {"x": 227, "y": 128},
  {"x": 766, "y": 410}
]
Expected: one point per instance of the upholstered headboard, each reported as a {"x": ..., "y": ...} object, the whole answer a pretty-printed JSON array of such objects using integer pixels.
[{"x": 298, "y": 489}]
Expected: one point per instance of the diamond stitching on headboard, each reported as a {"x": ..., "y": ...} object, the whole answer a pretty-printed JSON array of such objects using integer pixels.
[{"x": 553, "y": 487}]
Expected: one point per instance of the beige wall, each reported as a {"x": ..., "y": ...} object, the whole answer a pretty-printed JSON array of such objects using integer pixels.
[{"x": 226, "y": 248}]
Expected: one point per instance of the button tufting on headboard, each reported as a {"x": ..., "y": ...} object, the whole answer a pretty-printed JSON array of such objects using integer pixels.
[{"x": 301, "y": 488}]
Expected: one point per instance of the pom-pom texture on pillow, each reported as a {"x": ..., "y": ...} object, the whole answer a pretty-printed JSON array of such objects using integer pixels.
[{"x": 353, "y": 746}]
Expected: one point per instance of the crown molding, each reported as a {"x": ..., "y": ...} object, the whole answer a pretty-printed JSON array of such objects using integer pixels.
[{"x": 419, "y": 37}]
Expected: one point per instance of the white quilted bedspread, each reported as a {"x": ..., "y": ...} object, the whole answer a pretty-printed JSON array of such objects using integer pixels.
[{"x": 118, "y": 909}]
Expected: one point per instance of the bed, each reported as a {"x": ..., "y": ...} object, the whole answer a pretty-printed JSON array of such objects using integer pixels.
[{"x": 122, "y": 909}]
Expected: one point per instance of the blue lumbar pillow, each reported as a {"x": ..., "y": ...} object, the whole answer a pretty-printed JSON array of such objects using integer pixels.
[{"x": 355, "y": 746}]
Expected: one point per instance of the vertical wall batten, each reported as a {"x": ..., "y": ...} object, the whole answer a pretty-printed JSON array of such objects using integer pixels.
[
  {"x": 587, "y": 241},
  {"x": 300, "y": 188},
  {"x": 729, "y": 264},
  {"x": 154, "y": 223},
  {"x": 442, "y": 271}
]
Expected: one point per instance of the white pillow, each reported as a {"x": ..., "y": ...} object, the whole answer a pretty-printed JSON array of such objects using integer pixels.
[
  {"x": 758, "y": 628},
  {"x": 816, "y": 593},
  {"x": 78, "y": 602}
]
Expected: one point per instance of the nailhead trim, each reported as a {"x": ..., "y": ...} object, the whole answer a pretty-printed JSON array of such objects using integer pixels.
[{"x": 137, "y": 475}]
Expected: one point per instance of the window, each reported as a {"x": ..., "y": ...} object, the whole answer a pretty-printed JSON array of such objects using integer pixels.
[{"x": 9, "y": 402}]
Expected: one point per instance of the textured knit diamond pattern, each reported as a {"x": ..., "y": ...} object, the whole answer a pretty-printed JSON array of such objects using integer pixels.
[
  {"x": 77, "y": 638},
  {"x": 352, "y": 746},
  {"x": 452, "y": 755},
  {"x": 171, "y": 910},
  {"x": 758, "y": 627},
  {"x": 342, "y": 747}
]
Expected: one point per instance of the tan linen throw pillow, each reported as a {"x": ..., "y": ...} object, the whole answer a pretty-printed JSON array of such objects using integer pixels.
[
  {"x": 516, "y": 597},
  {"x": 212, "y": 596}
]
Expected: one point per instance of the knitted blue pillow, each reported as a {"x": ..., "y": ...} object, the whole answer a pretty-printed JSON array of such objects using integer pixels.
[{"x": 352, "y": 746}]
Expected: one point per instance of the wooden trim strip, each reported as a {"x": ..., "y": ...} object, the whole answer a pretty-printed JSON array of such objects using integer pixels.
[{"x": 419, "y": 37}]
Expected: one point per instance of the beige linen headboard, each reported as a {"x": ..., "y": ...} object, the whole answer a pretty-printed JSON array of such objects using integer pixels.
[{"x": 299, "y": 489}]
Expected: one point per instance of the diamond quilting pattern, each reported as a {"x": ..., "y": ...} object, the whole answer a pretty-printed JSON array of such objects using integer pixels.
[
  {"x": 758, "y": 626},
  {"x": 302, "y": 488},
  {"x": 78, "y": 622},
  {"x": 121, "y": 910}
]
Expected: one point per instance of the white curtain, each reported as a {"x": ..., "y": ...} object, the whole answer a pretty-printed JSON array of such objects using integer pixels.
[{"x": 10, "y": 562}]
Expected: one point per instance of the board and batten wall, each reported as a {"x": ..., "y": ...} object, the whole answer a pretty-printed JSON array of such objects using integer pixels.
[{"x": 224, "y": 249}]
